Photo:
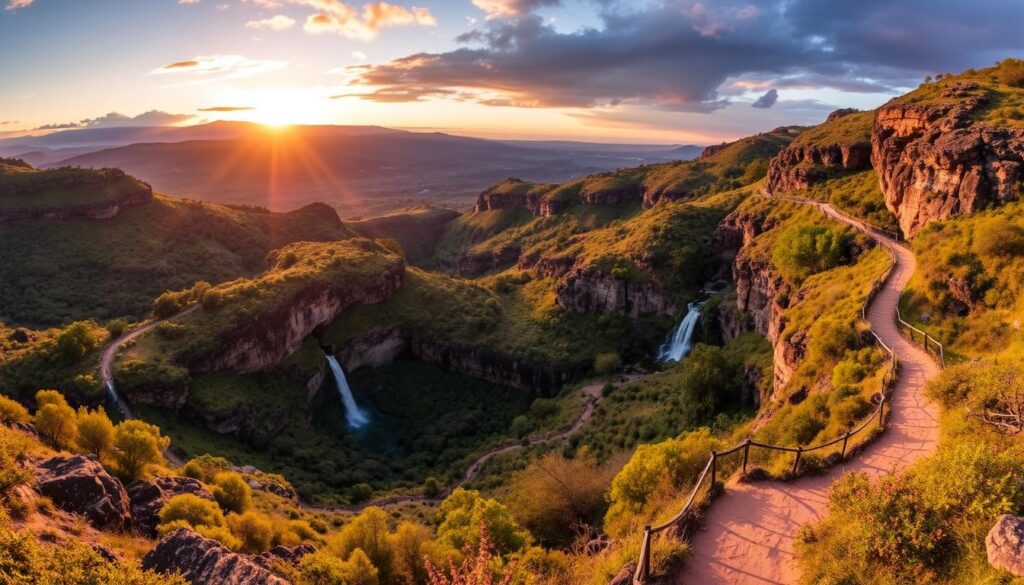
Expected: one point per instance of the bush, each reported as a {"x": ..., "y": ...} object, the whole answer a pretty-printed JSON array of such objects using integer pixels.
[
  {"x": 13, "y": 411},
  {"x": 205, "y": 467},
  {"x": 431, "y": 487},
  {"x": 231, "y": 492},
  {"x": 803, "y": 250},
  {"x": 254, "y": 531},
  {"x": 461, "y": 515},
  {"x": 54, "y": 419},
  {"x": 95, "y": 432},
  {"x": 168, "y": 305},
  {"x": 367, "y": 533},
  {"x": 191, "y": 510},
  {"x": 75, "y": 341},
  {"x": 607, "y": 363},
  {"x": 136, "y": 445},
  {"x": 1011, "y": 72},
  {"x": 998, "y": 237}
]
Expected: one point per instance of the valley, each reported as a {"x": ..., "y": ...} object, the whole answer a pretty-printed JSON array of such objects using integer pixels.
[{"x": 535, "y": 381}]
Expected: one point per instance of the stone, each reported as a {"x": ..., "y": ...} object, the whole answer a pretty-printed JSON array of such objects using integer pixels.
[
  {"x": 80, "y": 485},
  {"x": 625, "y": 576},
  {"x": 149, "y": 497},
  {"x": 291, "y": 555},
  {"x": 1005, "y": 545},
  {"x": 202, "y": 561}
]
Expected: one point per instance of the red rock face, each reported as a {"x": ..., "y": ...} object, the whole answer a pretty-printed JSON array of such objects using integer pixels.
[
  {"x": 800, "y": 167},
  {"x": 935, "y": 162}
]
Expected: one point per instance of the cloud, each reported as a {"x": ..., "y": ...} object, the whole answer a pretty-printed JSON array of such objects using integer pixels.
[
  {"x": 266, "y": 4},
  {"x": 410, "y": 94},
  {"x": 276, "y": 22},
  {"x": 218, "y": 67},
  {"x": 688, "y": 55},
  {"x": 227, "y": 109},
  {"x": 18, "y": 4},
  {"x": 115, "y": 119},
  {"x": 511, "y": 8},
  {"x": 336, "y": 17},
  {"x": 188, "y": 1},
  {"x": 767, "y": 100},
  {"x": 7, "y": 122}
]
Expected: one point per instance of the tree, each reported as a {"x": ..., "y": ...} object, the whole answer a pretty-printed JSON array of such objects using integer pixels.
[
  {"x": 320, "y": 568},
  {"x": 368, "y": 532},
  {"x": 13, "y": 411},
  {"x": 231, "y": 492},
  {"x": 410, "y": 543},
  {"x": 460, "y": 517},
  {"x": 168, "y": 305},
  {"x": 360, "y": 571},
  {"x": 74, "y": 342},
  {"x": 136, "y": 445},
  {"x": 431, "y": 487},
  {"x": 1011, "y": 72},
  {"x": 803, "y": 250},
  {"x": 476, "y": 568},
  {"x": 95, "y": 432},
  {"x": 54, "y": 419}
]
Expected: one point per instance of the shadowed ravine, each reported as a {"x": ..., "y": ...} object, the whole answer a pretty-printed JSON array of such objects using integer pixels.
[{"x": 749, "y": 531}]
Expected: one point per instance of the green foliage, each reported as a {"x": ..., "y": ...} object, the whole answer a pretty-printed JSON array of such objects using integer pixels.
[
  {"x": 14, "y": 447},
  {"x": 803, "y": 250},
  {"x": 254, "y": 531},
  {"x": 137, "y": 445},
  {"x": 205, "y": 467},
  {"x": 13, "y": 411},
  {"x": 192, "y": 510},
  {"x": 40, "y": 362},
  {"x": 75, "y": 341},
  {"x": 367, "y": 534},
  {"x": 460, "y": 517},
  {"x": 54, "y": 419},
  {"x": 847, "y": 130},
  {"x": 857, "y": 194},
  {"x": 95, "y": 432},
  {"x": 607, "y": 363},
  {"x": 26, "y": 559},
  {"x": 1011, "y": 72},
  {"x": 231, "y": 492},
  {"x": 996, "y": 237}
]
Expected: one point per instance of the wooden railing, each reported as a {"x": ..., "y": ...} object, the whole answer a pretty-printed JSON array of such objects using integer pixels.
[{"x": 708, "y": 477}]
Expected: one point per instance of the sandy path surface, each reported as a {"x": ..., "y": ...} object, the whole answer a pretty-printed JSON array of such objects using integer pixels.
[{"x": 749, "y": 533}]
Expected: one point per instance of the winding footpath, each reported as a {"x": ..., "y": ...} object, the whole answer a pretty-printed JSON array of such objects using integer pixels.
[{"x": 749, "y": 531}]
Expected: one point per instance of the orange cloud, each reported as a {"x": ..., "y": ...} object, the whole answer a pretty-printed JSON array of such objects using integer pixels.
[
  {"x": 216, "y": 67},
  {"x": 16, "y": 4},
  {"x": 336, "y": 17}
]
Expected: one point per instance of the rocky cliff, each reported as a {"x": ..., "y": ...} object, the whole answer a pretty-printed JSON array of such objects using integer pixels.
[
  {"x": 381, "y": 347},
  {"x": 935, "y": 160},
  {"x": 69, "y": 192},
  {"x": 592, "y": 289},
  {"x": 830, "y": 148}
]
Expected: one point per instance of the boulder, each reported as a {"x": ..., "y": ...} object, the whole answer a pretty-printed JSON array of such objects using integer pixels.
[
  {"x": 625, "y": 576},
  {"x": 148, "y": 498},
  {"x": 1005, "y": 545},
  {"x": 80, "y": 485},
  {"x": 291, "y": 555},
  {"x": 202, "y": 561}
]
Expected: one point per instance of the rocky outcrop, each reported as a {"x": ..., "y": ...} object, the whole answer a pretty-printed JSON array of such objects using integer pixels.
[
  {"x": 149, "y": 497},
  {"x": 291, "y": 555},
  {"x": 267, "y": 339},
  {"x": 380, "y": 347},
  {"x": 80, "y": 485},
  {"x": 501, "y": 197},
  {"x": 802, "y": 166},
  {"x": 202, "y": 561},
  {"x": 88, "y": 183},
  {"x": 477, "y": 264},
  {"x": 1005, "y": 545},
  {"x": 934, "y": 161},
  {"x": 587, "y": 290},
  {"x": 712, "y": 150}
]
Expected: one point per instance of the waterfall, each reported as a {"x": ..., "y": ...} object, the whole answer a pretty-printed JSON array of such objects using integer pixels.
[
  {"x": 681, "y": 342},
  {"x": 355, "y": 417}
]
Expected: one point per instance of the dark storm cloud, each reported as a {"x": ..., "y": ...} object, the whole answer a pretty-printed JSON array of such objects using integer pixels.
[
  {"x": 677, "y": 54},
  {"x": 767, "y": 100}
]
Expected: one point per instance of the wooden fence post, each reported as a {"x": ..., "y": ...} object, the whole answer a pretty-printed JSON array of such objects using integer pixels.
[
  {"x": 846, "y": 440},
  {"x": 643, "y": 569},
  {"x": 714, "y": 468},
  {"x": 796, "y": 462},
  {"x": 746, "y": 454},
  {"x": 881, "y": 410}
]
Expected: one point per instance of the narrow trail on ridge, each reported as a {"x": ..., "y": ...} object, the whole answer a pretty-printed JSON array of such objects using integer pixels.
[{"x": 749, "y": 532}]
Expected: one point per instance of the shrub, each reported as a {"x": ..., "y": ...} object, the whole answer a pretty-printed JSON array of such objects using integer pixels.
[
  {"x": 321, "y": 568},
  {"x": 44, "y": 397},
  {"x": 168, "y": 305},
  {"x": 1011, "y": 72},
  {"x": 231, "y": 492},
  {"x": 254, "y": 531},
  {"x": 13, "y": 411},
  {"x": 997, "y": 237},
  {"x": 205, "y": 467},
  {"x": 191, "y": 510},
  {"x": 136, "y": 445},
  {"x": 607, "y": 363},
  {"x": 431, "y": 487},
  {"x": 461, "y": 515},
  {"x": 367, "y": 533},
  {"x": 803, "y": 250},
  {"x": 13, "y": 447},
  {"x": 95, "y": 432},
  {"x": 75, "y": 341}
]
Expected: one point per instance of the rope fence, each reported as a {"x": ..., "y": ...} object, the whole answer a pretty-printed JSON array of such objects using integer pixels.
[{"x": 708, "y": 478}]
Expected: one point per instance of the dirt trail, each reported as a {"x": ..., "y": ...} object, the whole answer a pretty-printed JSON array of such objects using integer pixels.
[{"x": 749, "y": 532}]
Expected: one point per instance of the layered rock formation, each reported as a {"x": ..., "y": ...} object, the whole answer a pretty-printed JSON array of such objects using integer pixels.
[
  {"x": 806, "y": 163},
  {"x": 587, "y": 290},
  {"x": 267, "y": 339},
  {"x": 80, "y": 485},
  {"x": 202, "y": 561},
  {"x": 935, "y": 161}
]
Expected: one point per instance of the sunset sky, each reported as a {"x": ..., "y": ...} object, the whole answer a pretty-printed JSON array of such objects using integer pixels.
[{"x": 671, "y": 71}]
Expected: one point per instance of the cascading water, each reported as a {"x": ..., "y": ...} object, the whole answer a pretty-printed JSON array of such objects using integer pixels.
[
  {"x": 355, "y": 417},
  {"x": 681, "y": 342}
]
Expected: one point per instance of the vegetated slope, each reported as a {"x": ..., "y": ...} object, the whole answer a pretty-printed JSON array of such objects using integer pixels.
[
  {"x": 57, "y": 271},
  {"x": 28, "y": 193},
  {"x": 417, "y": 229}
]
